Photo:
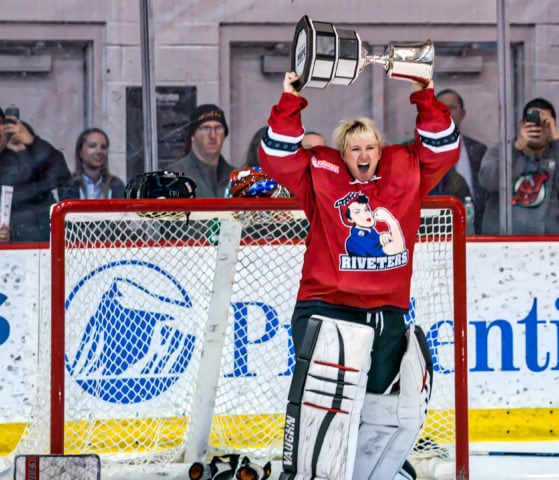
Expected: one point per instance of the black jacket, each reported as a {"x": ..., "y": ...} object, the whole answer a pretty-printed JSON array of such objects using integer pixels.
[
  {"x": 454, "y": 184},
  {"x": 34, "y": 173},
  {"x": 72, "y": 188}
]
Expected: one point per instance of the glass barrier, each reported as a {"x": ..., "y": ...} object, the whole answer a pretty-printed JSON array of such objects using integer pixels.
[{"x": 62, "y": 74}]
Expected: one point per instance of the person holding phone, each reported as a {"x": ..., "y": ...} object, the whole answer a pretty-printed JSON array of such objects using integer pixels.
[
  {"x": 535, "y": 179},
  {"x": 17, "y": 134},
  {"x": 35, "y": 169}
]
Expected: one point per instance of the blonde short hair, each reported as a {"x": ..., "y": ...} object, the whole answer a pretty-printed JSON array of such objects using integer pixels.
[{"x": 362, "y": 127}]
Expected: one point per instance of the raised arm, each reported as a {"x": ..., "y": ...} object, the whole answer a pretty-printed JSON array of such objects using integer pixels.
[
  {"x": 281, "y": 154},
  {"x": 437, "y": 139}
]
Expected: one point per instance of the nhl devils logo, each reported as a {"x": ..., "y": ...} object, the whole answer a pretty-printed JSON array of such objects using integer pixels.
[{"x": 529, "y": 189}]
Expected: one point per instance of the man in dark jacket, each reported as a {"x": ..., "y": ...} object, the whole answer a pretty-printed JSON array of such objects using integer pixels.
[
  {"x": 202, "y": 160},
  {"x": 35, "y": 169},
  {"x": 462, "y": 180}
]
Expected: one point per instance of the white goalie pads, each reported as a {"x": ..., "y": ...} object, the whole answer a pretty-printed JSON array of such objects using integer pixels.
[
  {"x": 323, "y": 415},
  {"x": 390, "y": 423},
  {"x": 416, "y": 379}
]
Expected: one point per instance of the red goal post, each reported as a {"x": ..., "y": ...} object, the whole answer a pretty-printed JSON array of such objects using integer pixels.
[{"x": 170, "y": 336}]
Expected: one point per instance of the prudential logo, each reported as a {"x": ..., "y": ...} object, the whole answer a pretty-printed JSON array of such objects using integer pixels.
[{"x": 129, "y": 320}]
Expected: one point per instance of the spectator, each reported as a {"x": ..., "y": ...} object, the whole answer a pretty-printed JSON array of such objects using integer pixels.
[
  {"x": 535, "y": 156},
  {"x": 363, "y": 202},
  {"x": 463, "y": 180},
  {"x": 92, "y": 178},
  {"x": 312, "y": 139},
  {"x": 203, "y": 161},
  {"x": 252, "y": 159},
  {"x": 36, "y": 170}
]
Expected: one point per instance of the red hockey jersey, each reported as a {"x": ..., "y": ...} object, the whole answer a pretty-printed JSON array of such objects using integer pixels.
[{"x": 345, "y": 262}]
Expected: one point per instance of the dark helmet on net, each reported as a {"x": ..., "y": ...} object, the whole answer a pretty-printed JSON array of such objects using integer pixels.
[{"x": 160, "y": 184}]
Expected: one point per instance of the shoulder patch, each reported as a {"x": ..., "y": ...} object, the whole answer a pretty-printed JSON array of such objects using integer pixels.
[{"x": 324, "y": 165}]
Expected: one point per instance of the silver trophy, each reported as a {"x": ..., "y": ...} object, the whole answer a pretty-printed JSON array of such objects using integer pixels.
[{"x": 322, "y": 54}]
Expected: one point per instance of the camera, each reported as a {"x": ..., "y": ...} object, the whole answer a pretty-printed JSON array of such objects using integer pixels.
[
  {"x": 532, "y": 116},
  {"x": 11, "y": 112}
]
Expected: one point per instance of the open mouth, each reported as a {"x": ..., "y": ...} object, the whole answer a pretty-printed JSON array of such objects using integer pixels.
[{"x": 363, "y": 167}]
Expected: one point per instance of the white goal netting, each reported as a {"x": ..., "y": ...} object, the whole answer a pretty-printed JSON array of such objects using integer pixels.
[{"x": 171, "y": 337}]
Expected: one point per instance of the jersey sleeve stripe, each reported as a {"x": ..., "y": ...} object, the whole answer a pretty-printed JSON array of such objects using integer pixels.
[
  {"x": 280, "y": 145},
  {"x": 442, "y": 141}
]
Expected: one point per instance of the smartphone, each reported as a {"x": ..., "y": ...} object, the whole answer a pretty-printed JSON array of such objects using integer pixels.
[
  {"x": 532, "y": 116},
  {"x": 12, "y": 112}
]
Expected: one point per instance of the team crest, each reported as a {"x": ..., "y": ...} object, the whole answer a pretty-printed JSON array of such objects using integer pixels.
[
  {"x": 529, "y": 189},
  {"x": 375, "y": 240}
]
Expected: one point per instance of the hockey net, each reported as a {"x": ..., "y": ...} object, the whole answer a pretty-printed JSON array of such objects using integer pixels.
[{"x": 170, "y": 338}]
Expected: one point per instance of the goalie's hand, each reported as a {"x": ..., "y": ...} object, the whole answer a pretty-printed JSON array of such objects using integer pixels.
[
  {"x": 422, "y": 86},
  {"x": 290, "y": 83}
]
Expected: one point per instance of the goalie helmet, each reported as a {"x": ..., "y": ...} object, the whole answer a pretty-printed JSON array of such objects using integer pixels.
[
  {"x": 253, "y": 182},
  {"x": 160, "y": 184}
]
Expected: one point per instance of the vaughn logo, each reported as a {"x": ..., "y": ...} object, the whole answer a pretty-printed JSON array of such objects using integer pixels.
[{"x": 131, "y": 344}]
